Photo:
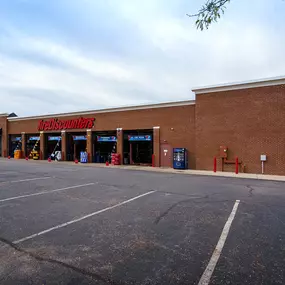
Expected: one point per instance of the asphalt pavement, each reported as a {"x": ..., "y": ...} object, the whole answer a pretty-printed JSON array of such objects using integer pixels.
[{"x": 64, "y": 224}]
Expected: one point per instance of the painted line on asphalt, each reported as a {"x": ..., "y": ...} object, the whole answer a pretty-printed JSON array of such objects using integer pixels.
[
  {"x": 8, "y": 172},
  {"x": 45, "y": 192},
  {"x": 66, "y": 169},
  {"x": 205, "y": 279},
  {"x": 25, "y": 180},
  {"x": 82, "y": 218}
]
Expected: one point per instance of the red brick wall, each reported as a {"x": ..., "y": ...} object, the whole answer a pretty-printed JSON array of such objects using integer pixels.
[
  {"x": 3, "y": 125},
  {"x": 177, "y": 125},
  {"x": 250, "y": 122}
]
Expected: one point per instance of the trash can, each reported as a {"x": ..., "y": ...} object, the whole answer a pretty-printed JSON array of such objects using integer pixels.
[{"x": 17, "y": 154}]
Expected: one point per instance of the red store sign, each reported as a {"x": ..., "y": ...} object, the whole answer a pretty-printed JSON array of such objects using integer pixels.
[{"x": 55, "y": 124}]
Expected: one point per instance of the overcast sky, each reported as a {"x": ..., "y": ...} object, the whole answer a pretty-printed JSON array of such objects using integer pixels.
[{"x": 69, "y": 55}]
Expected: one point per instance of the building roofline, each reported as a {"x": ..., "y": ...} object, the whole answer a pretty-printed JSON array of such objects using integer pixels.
[
  {"x": 273, "y": 81},
  {"x": 4, "y": 114},
  {"x": 109, "y": 110}
]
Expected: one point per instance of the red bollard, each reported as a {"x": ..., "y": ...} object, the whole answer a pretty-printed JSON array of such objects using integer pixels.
[
  {"x": 9, "y": 157},
  {"x": 236, "y": 165},
  {"x": 215, "y": 164},
  {"x": 49, "y": 159},
  {"x": 27, "y": 158},
  {"x": 76, "y": 161},
  {"x": 107, "y": 163},
  {"x": 153, "y": 160}
]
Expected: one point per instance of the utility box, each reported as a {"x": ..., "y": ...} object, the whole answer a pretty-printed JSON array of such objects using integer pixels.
[
  {"x": 263, "y": 157},
  {"x": 223, "y": 151}
]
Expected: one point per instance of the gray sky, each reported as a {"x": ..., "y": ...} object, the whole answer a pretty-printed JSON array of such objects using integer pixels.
[{"x": 69, "y": 55}]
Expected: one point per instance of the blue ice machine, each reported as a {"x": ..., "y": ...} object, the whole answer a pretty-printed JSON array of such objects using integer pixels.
[{"x": 180, "y": 158}]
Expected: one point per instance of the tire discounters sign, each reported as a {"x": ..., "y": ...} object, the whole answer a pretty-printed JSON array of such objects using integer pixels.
[{"x": 56, "y": 124}]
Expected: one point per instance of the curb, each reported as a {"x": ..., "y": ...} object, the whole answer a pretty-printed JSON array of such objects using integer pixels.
[{"x": 165, "y": 170}]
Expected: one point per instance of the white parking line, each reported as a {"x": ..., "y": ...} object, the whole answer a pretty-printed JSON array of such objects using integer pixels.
[
  {"x": 44, "y": 192},
  {"x": 205, "y": 279},
  {"x": 82, "y": 218},
  {"x": 25, "y": 180}
]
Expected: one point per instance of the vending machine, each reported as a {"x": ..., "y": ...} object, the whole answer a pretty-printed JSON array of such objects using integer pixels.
[{"x": 180, "y": 158}]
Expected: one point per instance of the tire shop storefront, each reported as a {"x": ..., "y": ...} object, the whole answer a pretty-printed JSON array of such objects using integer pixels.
[
  {"x": 241, "y": 120},
  {"x": 64, "y": 139},
  {"x": 141, "y": 135},
  {"x": 138, "y": 147},
  {"x": 103, "y": 145},
  {"x": 76, "y": 144},
  {"x": 33, "y": 146},
  {"x": 15, "y": 143},
  {"x": 53, "y": 146}
]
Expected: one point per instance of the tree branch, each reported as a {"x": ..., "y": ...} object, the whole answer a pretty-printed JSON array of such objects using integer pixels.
[{"x": 210, "y": 12}]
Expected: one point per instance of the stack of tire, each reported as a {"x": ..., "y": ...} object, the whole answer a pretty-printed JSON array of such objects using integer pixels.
[{"x": 115, "y": 159}]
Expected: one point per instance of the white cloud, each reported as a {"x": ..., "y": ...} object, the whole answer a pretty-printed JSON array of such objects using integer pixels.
[
  {"x": 171, "y": 58},
  {"x": 24, "y": 75}
]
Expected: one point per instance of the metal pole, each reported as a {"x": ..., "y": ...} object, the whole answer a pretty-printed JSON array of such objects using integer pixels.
[
  {"x": 215, "y": 164},
  {"x": 153, "y": 160},
  {"x": 131, "y": 153},
  {"x": 236, "y": 165}
]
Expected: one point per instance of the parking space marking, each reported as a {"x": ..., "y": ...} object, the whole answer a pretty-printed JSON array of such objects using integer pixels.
[
  {"x": 83, "y": 218},
  {"x": 25, "y": 180},
  {"x": 44, "y": 192},
  {"x": 205, "y": 279}
]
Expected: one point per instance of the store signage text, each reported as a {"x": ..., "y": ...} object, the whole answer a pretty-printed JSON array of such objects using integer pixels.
[
  {"x": 16, "y": 139},
  {"x": 34, "y": 138},
  {"x": 106, "y": 139},
  {"x": 139, "y": 138},
  {"x": 79, "y": 138},
  {"x": 52, "y": 138},
  {"x": 55, "y": 124}
]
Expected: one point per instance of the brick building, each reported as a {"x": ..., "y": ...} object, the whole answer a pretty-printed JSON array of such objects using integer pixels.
[{"x": 247, "y": 119}]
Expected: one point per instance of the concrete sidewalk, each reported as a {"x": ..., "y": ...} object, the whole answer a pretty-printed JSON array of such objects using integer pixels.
[
  {"x": 203, "y": 172},
  {"x": 158, "y": 169}
]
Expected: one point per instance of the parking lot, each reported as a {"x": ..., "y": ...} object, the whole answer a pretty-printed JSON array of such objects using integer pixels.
[{"x": 65, "y": 224}]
